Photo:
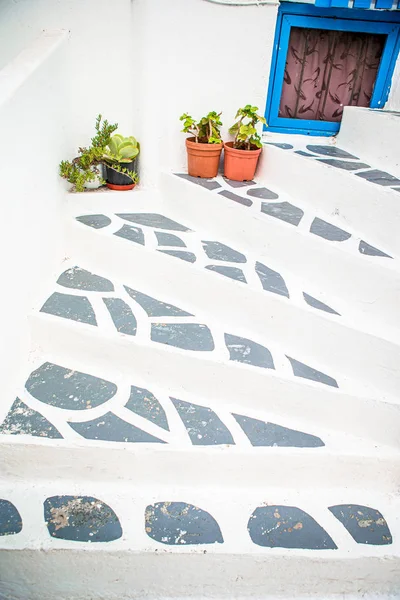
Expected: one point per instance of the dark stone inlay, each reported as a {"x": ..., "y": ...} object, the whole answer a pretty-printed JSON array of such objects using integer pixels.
[
  {"x": 156, "y": 308},
  {"x": 248, "y": 352},
  {"x": 122, "y": 315},
  {"x": 302, "y": 370},
  {"x": 219, "y": 251},
  {"x": 263, "y": 193},
  {"x": 10, "y": 519},
  {"x": 209, "y": 184},
  {"x": 187, "y": 256},
  {"x": 328, "y": 231},
  {"x": 131, "y": 233},
  {"x": 188, "y": 336},
  {"x": 365, "y": 248},
  {"x": 80, "y": 279},
  {"x": 169, "y": 239},
  {"x": 303, "y": 153},
  {"x": 284, "y": 211},
  {"x": 330, "y": 151},
  {"x": 272, "y": 281},
  {"x": 282, "y": 145},
  {"x": 343, "y": 164},
  {"x": 180, "y": 523},
  {"x": 95, "y": 221},
  {"x": 111, "y": 428},
  {"x": 236, "y": 198},
  {"x": 204, "y": 427},
  {"x": 366, "y": 525},
  {"x": 81, "y": 519},
  {"x": 22, "y": 420},
  {"x": 261, "y": 433},
  {"x": 318, "y": 304},
  {"x": 379, "y": 177},
  {"x": 144, "y": 403},
  {"x": 287, "y": 527},
  {"x": 153, "y": 220},
  {"x": 238, "y": 184},
  {"x": 65, "y": 388},
  {"x": 231, "y": 272},
  {"x": 76, "y": 308}
]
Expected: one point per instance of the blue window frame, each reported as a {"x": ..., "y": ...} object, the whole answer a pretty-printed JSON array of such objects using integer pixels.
[{"x": 307, "y": 16}]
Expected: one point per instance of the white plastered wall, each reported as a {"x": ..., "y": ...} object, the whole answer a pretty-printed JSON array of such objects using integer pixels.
[{"x": 393, "y": 102}]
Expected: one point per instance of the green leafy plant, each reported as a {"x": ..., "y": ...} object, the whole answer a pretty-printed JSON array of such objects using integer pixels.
[
  {"x": 85, "y": 167},
  {"x": 244, "y": 130},
  {"x": 205, "y": 131},
  {"x": 121, "y": 149}
]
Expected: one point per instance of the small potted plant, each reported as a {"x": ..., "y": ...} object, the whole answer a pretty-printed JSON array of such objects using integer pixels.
[
  {"x": 119, "y": 161},
  {"x": 241, "y": 155},
  {"x": 205, "y": 146},
  {"x": 85, "y": 170}
]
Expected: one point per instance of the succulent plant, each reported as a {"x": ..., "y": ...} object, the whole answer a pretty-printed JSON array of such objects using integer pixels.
[{"x": 121, "y": 149}]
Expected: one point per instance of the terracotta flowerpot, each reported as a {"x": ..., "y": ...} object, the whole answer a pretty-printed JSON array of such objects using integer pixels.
[
  {"x": 240, "y": 165},
  {"x": 203, "y": 159}
]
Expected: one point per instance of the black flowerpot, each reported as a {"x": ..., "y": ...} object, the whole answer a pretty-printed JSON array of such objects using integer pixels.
[{"x": 120, "y": 181}]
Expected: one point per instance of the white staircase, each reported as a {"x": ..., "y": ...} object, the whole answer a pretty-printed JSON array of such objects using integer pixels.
[{"x": 211, "y": 405}]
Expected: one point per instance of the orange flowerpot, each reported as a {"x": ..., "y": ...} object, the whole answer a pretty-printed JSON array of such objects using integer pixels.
[
  {"x": 240, "y": 165},
  {"x": 203, "y": 159}
]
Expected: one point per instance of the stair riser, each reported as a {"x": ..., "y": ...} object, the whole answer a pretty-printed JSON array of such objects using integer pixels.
[
  {"x": 29, "y": 574},
  {"x": 363, "y": 206},
  {"x": 85, "y": 461},
  {"x": 307, "y": 335},
  {"x": 230, "y": 383},
  {"x": 372, "y": 295}
]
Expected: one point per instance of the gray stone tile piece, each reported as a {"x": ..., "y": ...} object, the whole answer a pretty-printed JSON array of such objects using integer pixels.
[
  {"x": 287, "y": 527},
  {"x": 272, "y": 281},
  {"x": 282, "y": 145},
  {"x": 80, "y": 279},
  {"x": 111, "y": 428},
  {"x": 169, "y": 239},
  {"x": 330, "y": 151},
  {"x": 302, "y": 370},
  {"x": 328, "y": 231},
  {"x": 219, "y": 251},
  {"x": 95, "y": 221},
  {"x": 122, "y": 315},
  {"x": 366, "y": 525},
  {"x": 248, "y": 352},
  {"x": 204, "y": 427},
  {"x": 131, "y": 233},
  {"x": 10, "y": 519},
  {"x": 81, "y": 519},
  {"x": 346, "y": 165},
  {"x": 238, "y": 184},
  {"x": 303, "y": 153},
  {"x": 231, "y": 272},
  {"x": 69, "y": 389},
  {"x": 396, "y": 189},
  {"x": 76, "y": 308},
  {"x": 379, "y": 177},
  {"x": 153, "y": 220},
  {"x": 187, "y": 336},
  {"x": 263, "y": 192},
  {"x": 22, "y": 420},
  {"x": 236, "y": 198},
  {"x": 365, "y": 248},
  {"x": 156, "y": 308},
  {"x": 318, "y": 304},
  {"x": 175, "y": 523},
  {"x": 145, "y": 404},
  {"x": 261, "y": 433},
  {"x": 187, "y": 256},
  {"x": 284, "y": 211},
  {"x": 209, "y": 184}
]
